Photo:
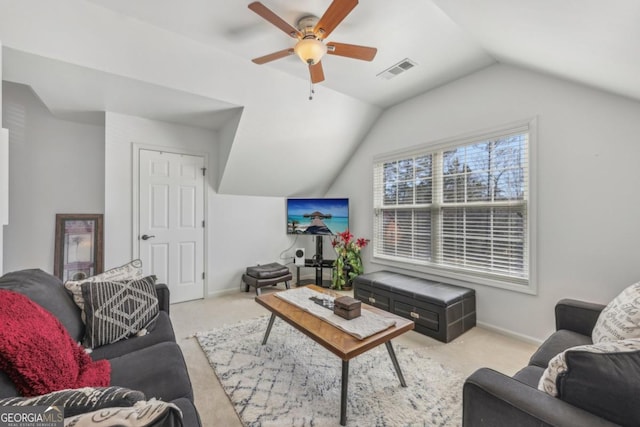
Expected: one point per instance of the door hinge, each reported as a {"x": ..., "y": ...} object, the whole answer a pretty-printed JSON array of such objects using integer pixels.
[
  {"x": 204, "y": 171},
  {"x": 203, "y": 275},
  {"x": 203, "y": 223}
]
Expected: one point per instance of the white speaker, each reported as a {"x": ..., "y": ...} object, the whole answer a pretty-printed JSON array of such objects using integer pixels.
[{"x": 298, "y": 257}]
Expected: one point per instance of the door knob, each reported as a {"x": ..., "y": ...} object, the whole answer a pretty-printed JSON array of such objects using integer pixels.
[{"x": 146, "y": 237}]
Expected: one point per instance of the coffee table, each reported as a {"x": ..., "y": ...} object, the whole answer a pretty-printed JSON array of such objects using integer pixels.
[{"x": 340, "y": 343}]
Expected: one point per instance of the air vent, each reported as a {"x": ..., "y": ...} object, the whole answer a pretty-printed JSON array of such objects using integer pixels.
[{"x": 399, "y": 68}]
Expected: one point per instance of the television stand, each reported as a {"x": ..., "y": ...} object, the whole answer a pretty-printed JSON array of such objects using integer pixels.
[
  {"x": 319, "y": 263},
  {"x": 319, "y": 266}
]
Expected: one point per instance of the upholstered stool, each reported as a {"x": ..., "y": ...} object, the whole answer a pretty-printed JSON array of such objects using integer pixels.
[{"x": 260, "y": 276}]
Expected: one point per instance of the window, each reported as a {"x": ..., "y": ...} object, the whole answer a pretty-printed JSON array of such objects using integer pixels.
[{"x": 461, "y": 208}]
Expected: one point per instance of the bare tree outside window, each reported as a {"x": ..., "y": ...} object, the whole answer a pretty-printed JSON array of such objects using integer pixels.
[{"x": 463, "y": 207}]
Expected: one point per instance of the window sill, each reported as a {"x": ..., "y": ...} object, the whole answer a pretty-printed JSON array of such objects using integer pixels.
[{"x": 456, "y": 278}]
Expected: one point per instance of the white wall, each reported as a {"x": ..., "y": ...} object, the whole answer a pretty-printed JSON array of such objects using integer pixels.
[
  {"x": 587, "y": 180},
  {"x": 4, "y": 183},
  {"x": 4, "y": 177},
  {"x": 56, "y": 166},
  {"x": 242, "y": 230},
  {"x": 121, "y": 133},
  {"x": 277, "y": 115},
  {"x": 248, "y": 230}
]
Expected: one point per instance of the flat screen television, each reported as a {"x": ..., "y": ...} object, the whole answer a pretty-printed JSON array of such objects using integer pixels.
[{"x": 322, "y": 216}]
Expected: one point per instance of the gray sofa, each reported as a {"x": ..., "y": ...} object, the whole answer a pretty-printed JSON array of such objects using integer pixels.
[
  {"x": 152, "y": 363},
  {"x": 596, "y": 390}
]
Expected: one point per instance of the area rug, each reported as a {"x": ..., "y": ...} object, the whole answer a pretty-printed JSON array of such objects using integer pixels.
[{"x": 292, "y": 381}]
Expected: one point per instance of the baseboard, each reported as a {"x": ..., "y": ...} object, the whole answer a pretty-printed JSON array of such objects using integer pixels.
[
  {"x": 222, "y": 292},
  {"x": 509, "y": 333}
]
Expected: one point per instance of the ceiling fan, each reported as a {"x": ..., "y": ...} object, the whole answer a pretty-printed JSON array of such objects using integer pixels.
[{"x": 311, "y": 32}]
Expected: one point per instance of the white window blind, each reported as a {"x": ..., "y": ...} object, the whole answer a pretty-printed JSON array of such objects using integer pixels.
[{"x": 462, "y": 207}]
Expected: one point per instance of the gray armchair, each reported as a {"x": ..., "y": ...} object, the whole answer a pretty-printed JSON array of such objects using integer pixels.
[{"x": 597, "y": 390}]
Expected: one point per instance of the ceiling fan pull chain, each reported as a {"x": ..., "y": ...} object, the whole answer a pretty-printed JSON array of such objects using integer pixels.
[{"x": 311, "y": 91}]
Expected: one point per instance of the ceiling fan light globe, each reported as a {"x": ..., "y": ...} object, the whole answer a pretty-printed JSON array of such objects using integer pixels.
[{"x": 310, "y": 51}]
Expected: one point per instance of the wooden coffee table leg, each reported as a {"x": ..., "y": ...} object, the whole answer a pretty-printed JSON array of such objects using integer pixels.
[
  {"x": 343, "y": 396},
  {"x": 266, "y": 334},
  {"x": 396, "y": 365}
]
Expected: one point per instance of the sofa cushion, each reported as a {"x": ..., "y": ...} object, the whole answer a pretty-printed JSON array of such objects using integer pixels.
[
  {"x": 600, "y": 378},
  {"x": 7, "y": 387},
  {"x": 557, "y": 343},
  {"x": 116, "y": 310},
  {"x": 620, "y": 319},
  {"x": 158, "y": 371},
  {"x": 37, "y": 352},
  {"x": 190, "y": 416},
  {"x": 47, "y": 291},
  {"x": 129, "y": 271},
  {"x": 80, "y": 400},
  {"x": 162, "y": 332},
  {"x": 529, "y": 375}
]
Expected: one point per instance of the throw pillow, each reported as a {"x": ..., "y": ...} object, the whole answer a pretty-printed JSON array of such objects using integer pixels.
[
  {"x": 129, "y": 271},
  {"x": 152, "y": 413},
  {"x": 37, "y": 352},
  {"x": 620, "y": 319},
  {"x": 558, "y": 366},
  {"x": 80, "y": 400},
  {"x": 119, "y": 309}
]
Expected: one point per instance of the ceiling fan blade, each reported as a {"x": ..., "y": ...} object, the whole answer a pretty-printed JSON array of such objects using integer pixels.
[
  {"x": 354, "y": 51},
  {"x": 336, "y": 12},
  {"x": 268, "y": 14},
  {"x": 317, "y": 74},
  {"x": 273, "y": 56}
]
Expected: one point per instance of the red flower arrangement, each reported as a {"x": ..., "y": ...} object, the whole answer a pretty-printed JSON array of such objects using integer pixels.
[{"x": 348, "y": 264}]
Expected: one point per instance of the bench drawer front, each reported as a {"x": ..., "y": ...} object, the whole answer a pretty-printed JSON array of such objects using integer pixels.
[
  {"x": 419, "y": 315},
  {"x": 369, "y": 296},
  {"x": 439, "y": 310}
]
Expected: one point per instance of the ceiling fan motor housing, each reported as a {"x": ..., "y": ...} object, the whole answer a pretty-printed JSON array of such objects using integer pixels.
[
  {"x": 310, "y": 48},
  {"x": 306, "y": 24}
]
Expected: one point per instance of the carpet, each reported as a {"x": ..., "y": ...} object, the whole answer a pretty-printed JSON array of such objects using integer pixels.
[{"x": 292, "y": 381}]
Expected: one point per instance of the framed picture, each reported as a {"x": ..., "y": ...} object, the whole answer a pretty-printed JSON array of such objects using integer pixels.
[{"x": 78, "y": 247}]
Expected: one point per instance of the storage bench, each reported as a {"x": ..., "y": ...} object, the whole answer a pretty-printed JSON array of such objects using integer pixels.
[{"x": 439, "y": 310}]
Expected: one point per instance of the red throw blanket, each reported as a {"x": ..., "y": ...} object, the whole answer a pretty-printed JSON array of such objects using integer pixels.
[{"x": 37, "y": 352}]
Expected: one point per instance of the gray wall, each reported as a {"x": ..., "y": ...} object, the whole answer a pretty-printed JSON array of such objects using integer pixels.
[
  {"x": 55, "y": 166},
  {"x": 587, "y": 181}
]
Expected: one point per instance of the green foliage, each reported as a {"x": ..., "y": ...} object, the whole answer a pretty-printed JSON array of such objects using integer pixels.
[{"x": 348, "y": 263}]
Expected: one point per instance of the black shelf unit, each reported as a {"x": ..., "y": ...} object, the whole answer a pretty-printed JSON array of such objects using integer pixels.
[{"x": 317, "y": 262}]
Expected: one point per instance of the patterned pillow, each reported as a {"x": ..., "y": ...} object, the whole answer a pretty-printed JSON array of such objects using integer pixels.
[
  {"x": 620, "y": 319},
  {"x": 80, "y": 400},
  {"x": 119, "y": 309},
  {"x": 151, "y": 413},
  {"x": 558, "y": 365},
  {"x": 129, "y": 271}
]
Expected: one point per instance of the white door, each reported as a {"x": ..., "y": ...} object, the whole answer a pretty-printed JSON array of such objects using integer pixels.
[{"x": 171, "y": 221}]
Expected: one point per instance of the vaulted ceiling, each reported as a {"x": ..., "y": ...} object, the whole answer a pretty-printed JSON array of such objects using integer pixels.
[{"x": 190, "y": 62}]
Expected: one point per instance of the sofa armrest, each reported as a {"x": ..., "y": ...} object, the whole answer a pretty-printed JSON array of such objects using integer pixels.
[
  {"x": 496, "y": 400},
  {"x": 577, "y": 316},
  {"x": 163, "y": 296}
]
